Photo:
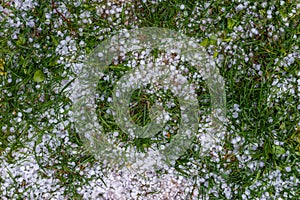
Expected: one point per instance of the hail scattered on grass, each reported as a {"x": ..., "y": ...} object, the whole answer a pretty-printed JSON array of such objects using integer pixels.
[{"x": 256, "y": 47}]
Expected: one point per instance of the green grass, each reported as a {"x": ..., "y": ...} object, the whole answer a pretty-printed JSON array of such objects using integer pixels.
[{"x": 268, "y": 121}]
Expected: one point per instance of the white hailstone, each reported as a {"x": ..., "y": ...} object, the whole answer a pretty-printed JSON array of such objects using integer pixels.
[
  {"x": 227, "y": 192},
  {"x": 288, "y": 169},
  {"x": 254, "y": 31},
  {"x": 182, "y": 6},
  {"x": 236, "y": 107},
  {"x": 239, "y": 7},
  {"x": 172, "y": 68},
  {"x": 142, "y": 62},
  {"x": 116, "y": 134},
  {"x": 251, "y": 165},
  {"x": 247, "y": 192},
  {"x": 276, "y": 142},
  {"x": 264, "y": 4},
  {"x": 235, "y": 115},
  {"x": 234, "y": 141},
  {"x": 109, "y": 99},
  {"x": 12, "y": 129},
  {"x": 118, "y": 10},
  {"x": 61, "y": 110},
  {"x": 267, "y": 194},
  {"x": 167, "y": 117}
]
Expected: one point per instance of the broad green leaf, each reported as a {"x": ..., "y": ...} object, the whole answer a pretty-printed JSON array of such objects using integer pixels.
[
  {"x": 282, "y": 126},
  {"x": 262, "y": 12},
  {"x": 227, "y": 39},
  {"x": 205, "y": 42},
  {"x": 21, "y": 40},
  {"x": 230, "y": 23},
  {"x": 38, "y": 76},
  {"x": 278, "y": 150},
  {"x": 2, "y": 71},
  {"x": 215, "y": 54},
  {"x": 297, "y": 152},
  {"x": 213, "y": 40},
  {"x": 283, "y": 13}
]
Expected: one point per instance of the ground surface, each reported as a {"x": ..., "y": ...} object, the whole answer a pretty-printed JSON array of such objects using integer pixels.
[{"x": 255, "y": 45}]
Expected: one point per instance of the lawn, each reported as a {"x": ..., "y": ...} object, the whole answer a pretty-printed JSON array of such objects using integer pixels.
[{"x": 140, "y": 122}]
